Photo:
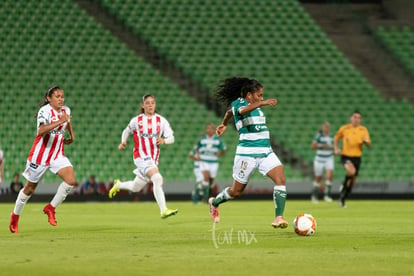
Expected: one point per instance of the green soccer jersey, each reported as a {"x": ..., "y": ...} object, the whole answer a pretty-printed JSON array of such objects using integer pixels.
[
  {"x": 323, "y": 154},
  {"x": 208, "y": 147},
  {"x": 254, "y": 137}
]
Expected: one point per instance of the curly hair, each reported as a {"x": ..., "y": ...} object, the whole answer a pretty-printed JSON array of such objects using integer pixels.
[{"x": 235, "y": 87}]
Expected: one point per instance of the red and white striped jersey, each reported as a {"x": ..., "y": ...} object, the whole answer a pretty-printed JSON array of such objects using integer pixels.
[
  {"x": 49, "y": 146},
  {"x": 145, "y": 131}
]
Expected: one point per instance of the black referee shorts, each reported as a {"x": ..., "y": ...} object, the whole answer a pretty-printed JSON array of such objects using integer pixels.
[{"x": 354, "y": 160}]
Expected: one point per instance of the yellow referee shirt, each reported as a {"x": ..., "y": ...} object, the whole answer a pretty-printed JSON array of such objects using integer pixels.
[{"x": 352, "y": 139}]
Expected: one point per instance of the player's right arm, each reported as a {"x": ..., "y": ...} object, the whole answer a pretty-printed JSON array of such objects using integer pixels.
[
  {"x": 125, "y": 134},
  {"x": 45, "y": 128},
  {"x": 222, "y": 127},
  {"x": 337, "y": 137}
]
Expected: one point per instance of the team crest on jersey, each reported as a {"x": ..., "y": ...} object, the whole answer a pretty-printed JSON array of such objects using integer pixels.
[{"x": 241, "y": 174}]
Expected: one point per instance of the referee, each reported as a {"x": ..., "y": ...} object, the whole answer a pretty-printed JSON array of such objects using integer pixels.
[{"x": 353, "y": 137}]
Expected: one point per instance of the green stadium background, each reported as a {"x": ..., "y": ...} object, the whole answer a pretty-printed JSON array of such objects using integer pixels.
[{"x": 275, "y": 41}]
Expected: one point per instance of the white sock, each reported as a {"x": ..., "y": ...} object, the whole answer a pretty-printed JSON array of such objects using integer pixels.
[
  {"x": 63, "y": 190},
  {"x": 21, "y": 200},
  {"x": 134, "y": 186},
  {"x": 316, "y": 184},
  {"x": 158, "y": 191}
]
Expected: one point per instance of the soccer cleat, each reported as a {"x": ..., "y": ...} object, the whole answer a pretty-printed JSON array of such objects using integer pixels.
[
  {"x": 341, "y": 203},
  {"x": 327, "y": 198},
  {"x": 112, "y": 192},
  {"x": 280, "y": 222},
  {"x": 168, "y": 213},
  {"x": 14, "y": 223},
  {"x": 49, "y": 210},
  {"x": 214, "y": 211},
  {"x": 314, "y": 200}
]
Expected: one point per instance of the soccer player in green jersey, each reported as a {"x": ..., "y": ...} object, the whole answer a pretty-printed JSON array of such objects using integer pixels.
[
  {"x": 253, "y": 150},
  {"x": 209, "y": 148},
  {"x": 323, "y": 161}
]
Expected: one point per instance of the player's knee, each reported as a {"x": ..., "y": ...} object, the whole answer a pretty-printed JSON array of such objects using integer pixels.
[
  {"x": 29, "y": 189},
  {"x": 280, "y": 180},
  {"x": 139, "y": 183},
  {"x": 71, "y": 181},
  {"x": 157, "y": 179},
  {"x": 350, "y": 172}
]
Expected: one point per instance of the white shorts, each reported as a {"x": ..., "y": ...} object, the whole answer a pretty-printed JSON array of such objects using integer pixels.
[
  {"x": 244, "y": 166},
  {"x": 143, "y": 166},
  {"x": 34, "y": 172},
  {"x": 319, "y": 167},
  {"x": 212, "y": 168}
]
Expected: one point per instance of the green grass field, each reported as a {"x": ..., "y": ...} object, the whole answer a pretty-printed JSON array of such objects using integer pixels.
[{"x": 368, "y": 237}]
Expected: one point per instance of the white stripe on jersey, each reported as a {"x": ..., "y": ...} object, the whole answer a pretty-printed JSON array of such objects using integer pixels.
[
  {"x": 255, "y": 135},
  {"x": 252, "y": 150},
  {"x": 255, "y": 120}
]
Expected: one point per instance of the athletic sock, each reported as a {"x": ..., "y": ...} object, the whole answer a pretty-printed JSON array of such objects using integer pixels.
[
  {"x": 279, "y": 197},
  {"x": 206, "y": 190},
  {"x": 315, "y": 191},
  {"x": 328, "y": 188},
  {"x": 222, "y": 197},
  {"x": 63, "y": 190},
  {"x": 197, "y": 192},
  {"x": 134, "y": 186},
  {"x": 346, "y": 189},
  {"x": 21, "y": 200},
  {"x": 158, "y": 192}
]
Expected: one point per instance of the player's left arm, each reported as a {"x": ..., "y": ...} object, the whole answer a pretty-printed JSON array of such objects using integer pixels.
[
  {"x": 71, "y": 138},
  {"x": 249, "y": 108},
  {"x": 366, "y": 139},
  {"x": 168, "y": 134}
]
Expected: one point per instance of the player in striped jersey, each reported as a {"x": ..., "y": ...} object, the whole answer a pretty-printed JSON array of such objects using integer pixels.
[
  {"x": 253, "y": 150},
  {"x": 197, "y": 192},
  {"x": 53, "y": 119},
  {"x": 324, "y": 160},
  {"x": 209, "y": 147},
  {"x": 149, "y": 130}
]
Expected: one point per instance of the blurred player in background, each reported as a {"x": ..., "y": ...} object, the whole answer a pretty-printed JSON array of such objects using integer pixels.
[
  {"x": 149, "y": 130},
  {"x": 53, "y": 119},
  {"x": 354, "y": 136},
  {"x": 324, "y": 160},
  {"x": 253, "y": 150},
  {"x": 209, "y": 148},
  {"x": 197, "y": 193}
]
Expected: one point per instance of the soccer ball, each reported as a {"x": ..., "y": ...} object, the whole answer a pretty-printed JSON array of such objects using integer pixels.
[{"x": 304, "y": 225}]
